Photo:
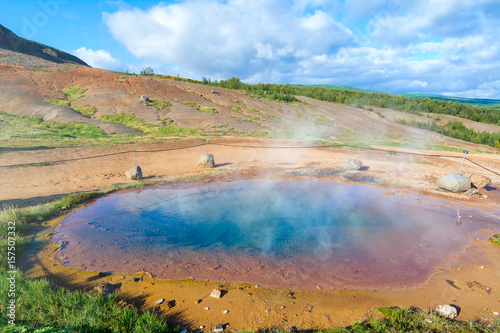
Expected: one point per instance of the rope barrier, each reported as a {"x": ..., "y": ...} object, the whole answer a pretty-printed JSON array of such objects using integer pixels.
[{"x": 244, "y": 146}]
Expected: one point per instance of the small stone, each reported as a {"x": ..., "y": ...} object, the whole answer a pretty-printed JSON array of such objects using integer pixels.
[
  {"x": 198, "y": 301},
  {"x": 447, "y": 311},
  {"x": 485, "y": 196},
  {"x": 282, "y": 306},
  {"x": 471, "y": 192},
  {"x": 219, "y": 328},
  {"x": 160, "y": 301},
  {"x": 482, "y": 267},
  {"x": 428, "y": 321},
  {"x": 216, "y": 293},
  {"x": 202, "y": 327},
  {"x": 268, "y": 310},
  {"x": 171, "y": 304},
  {"x": 292, "y": 329},
  {"x": 207, "y": 308},
  {"x": 496, "y": 313},
  {"x": 225, "y": 311},
  {"x": 144, "y": 98},
  {"x": 104, "y": 289}
]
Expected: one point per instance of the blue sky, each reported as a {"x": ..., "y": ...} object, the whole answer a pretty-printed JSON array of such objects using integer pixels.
[{"x": 449, "y": 47}]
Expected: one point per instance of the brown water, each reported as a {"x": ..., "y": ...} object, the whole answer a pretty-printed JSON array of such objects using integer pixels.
[{"x": 290, "y": 234}]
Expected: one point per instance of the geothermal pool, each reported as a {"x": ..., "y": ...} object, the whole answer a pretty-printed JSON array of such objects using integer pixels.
[{"x": 290, "y": 234}]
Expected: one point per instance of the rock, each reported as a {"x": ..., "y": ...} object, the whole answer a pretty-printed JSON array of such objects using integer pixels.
[
  {"x": 160, "y": 301},
  {"x": 171, "y": 304},
  {"x": 206, "y": 161},
  {"x": 447, "y": 311},
  {"x": 470, "y": 192},
  {"x": 479, "y": 181},
  {"x": 134, "y": 173},
  {"x": 144, "y": 98},
  {"x": 219, "y": 328},
  {"x": 225, "y": 311},
  {"x": 353, "y": 165},
  {"x": 454, "y": 183},
  {"x": 216, "y": 293},
  {"x": 104, "y": 289}
]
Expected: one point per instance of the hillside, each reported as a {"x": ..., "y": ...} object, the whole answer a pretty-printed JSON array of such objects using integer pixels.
[
  {"x": 18, "y": 51},
  {"x": 208, "y": 110}
]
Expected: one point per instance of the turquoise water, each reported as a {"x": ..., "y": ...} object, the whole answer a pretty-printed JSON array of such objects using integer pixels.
[{"x": 266, "y": 232}]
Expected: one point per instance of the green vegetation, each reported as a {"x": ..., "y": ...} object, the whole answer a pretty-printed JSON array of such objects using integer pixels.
[
  {"x": 41, "y": 304},
  {"x": 236, "y": 109},
  {"x": 58, "y": 102},
  {"x": 458, "y": 130},
  {"x": 148, "y": 71},
  {"x": 495, "y": 239},
  {"x": 209, "y": 110},
  {"x": 160, "y": 105},
  {"x": 194, "y": 105},
  {"x": 323, "y": 119},
  {"x": 86, "y": 110},
  {"x": 19, "y": 128},
  {"x": 74, "y": 93},
  {"x": 132, "y": 121}
]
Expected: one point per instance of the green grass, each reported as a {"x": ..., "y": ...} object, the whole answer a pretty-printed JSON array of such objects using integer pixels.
[
  {"x": 209, "y": 110},
  {"x": 86, "y": 110},
  {"x": 194, "y": 105},
  {"x": 15, "y": 127},
  {"x": 495, "y": 239},
  {"x": 323, "y": 119},
  {"x": 132, "y": 121},
  {"x": 160, "y": 105},
  {"x": 236, "y": 109},
  {"x": 74, "y": 93},
  {"x": 41, "y": 304},
  {"x": 58, "y": 102}
]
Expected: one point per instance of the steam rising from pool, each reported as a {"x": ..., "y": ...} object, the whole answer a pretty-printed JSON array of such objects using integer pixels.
[{"x": 289, "y": 234}]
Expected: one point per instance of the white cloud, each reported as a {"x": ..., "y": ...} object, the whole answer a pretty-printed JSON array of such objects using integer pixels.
[
  {"x": 222, "y": 39},
  {"x": 429, "y": 46},
  {"x": 98, "y": 58}
]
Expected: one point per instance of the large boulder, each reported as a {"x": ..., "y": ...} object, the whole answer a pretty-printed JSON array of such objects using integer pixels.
[
  {"x": 134, "y": 173},
  {"x": 206, "y": 161},
  {"x": 454, "y": 183},
  {"x": 479, "y": 181},
  {"x": 353, "y": 165}
]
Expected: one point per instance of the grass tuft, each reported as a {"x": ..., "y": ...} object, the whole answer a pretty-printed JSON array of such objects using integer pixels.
[
  {"x": 74, "y": 93},
  {"x": 495, "y": 239},
  {"x": 86, "y": 110}
]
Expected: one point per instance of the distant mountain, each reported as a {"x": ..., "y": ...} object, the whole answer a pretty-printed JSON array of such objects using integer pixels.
[
  {"x": 11, "y": 42},
  {"x": 489, "y": 103}
]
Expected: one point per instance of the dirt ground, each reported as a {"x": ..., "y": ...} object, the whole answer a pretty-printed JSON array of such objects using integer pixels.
[{"x": 250, "y": 306}]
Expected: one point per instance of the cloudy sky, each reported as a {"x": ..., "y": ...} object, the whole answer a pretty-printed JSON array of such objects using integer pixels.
[{"x": 449, "y": 47}]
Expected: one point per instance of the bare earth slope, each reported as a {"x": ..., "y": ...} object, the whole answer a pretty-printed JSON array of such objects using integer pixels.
[{"x": 22, "y": 92}]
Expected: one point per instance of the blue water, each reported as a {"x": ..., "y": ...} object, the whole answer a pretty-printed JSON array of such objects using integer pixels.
[{"x": 278, "y": 225}]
